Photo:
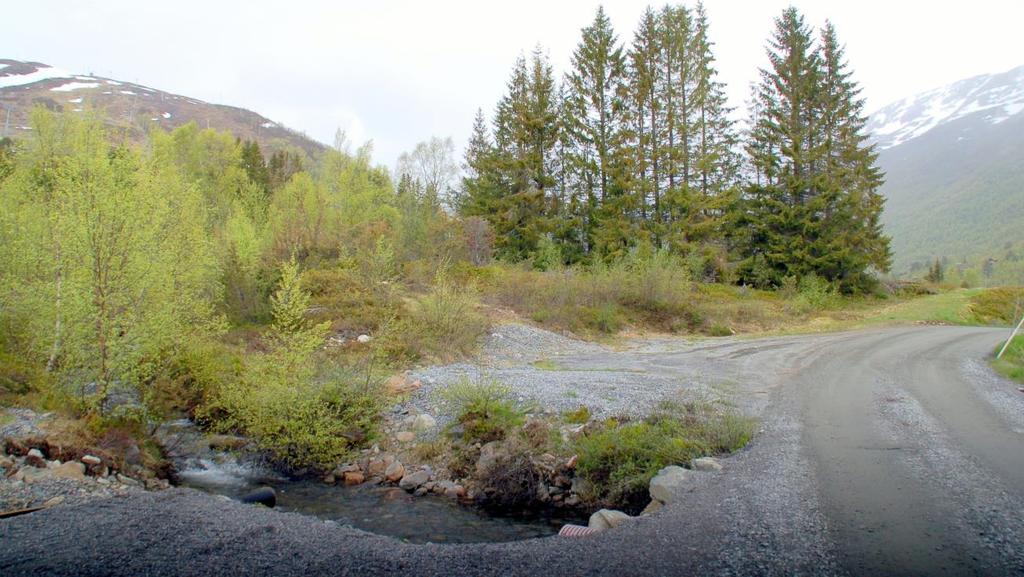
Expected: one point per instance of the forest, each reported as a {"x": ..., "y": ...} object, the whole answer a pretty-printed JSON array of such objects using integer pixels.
[{"x": 272, "y": 294}]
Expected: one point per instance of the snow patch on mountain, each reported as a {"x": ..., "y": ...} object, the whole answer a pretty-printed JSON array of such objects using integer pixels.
[
  {"x": 11, "y": 75},
  {"x": 1000, "y": 95}
]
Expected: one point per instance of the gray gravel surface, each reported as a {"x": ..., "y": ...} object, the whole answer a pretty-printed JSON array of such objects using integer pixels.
[{"x": 880, "y": 453}]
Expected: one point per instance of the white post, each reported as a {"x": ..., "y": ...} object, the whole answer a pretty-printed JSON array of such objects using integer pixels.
[{"x": 1013, "y": 334}]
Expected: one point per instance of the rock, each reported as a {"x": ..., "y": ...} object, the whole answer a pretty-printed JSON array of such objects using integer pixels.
[
  {"x": 262, "y": 496},
  {"x": 413, "y": 481},
  {"x": 423, "y": 422},
  {"x": 35, "y": 458},
  {"x": 363, "y": 339},
  {"x": 571, "y": 463},
  {"x": 6, "y": 463},
  {"x": 579, "y": 486},
  {"x": 329, "y": 479},
  {"x": 132, "y": 455},
  {"x": 571, "y": 501},
  {"x": 226, "y": 442},
  {"x": 607, "y": 519},
  {"x": 376, "y": 467},
  {"x": 347, "y": 468},
  {"x": 32, "y": 474},
  {"x": 653, "y": 507},
  {"x": 70, "y": 470},
  {"x": 668, "y": 482},
  {"x": 394, "y": 472},
  {"x": 91, "y": 460},
  {"x": 455, "y": 492},
  {"x": 706, "y": 464},
  {"x": 353, "y": 478},
  {"x": 405, "y": 436},
  {"x": 543, "y": 495},
  {"x": 489, "y": 454},
  {"x": 126, "y": 480},
  {"x": 420, "y": 492},
  {"x": 54, "y": 501}
]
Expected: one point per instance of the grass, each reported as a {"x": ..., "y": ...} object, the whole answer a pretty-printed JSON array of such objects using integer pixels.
[
  {"x": 547, "y": 365},
  {"x": 1011, "y": 364},
  {"x": 619, "y": 459},
  {"x": 485, "y": 410}
]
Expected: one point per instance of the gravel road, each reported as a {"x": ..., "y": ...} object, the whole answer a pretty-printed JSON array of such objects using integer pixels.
[{"x": 884, "y": 452}]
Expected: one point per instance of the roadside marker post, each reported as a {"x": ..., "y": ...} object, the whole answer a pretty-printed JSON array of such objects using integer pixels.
[{"x": 1013, "y": 334}]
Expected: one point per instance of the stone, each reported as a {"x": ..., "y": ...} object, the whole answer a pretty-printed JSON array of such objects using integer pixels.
[
  {"x": 423, "y": 422},
  {"x": 653, "y": 507},
  {"x": 32, "y": 474},
  {"x": 226, "y": 442},
  {"x": 91, "y": 460},
  {"x": 376, "y": 467},
  {"x": 132, "y": 455},
  {"x": 263, "y": 496},
  {"x": 347, "y": 468},
  {"x": 579, "y": 486},
  {"x": 126, "y": 480},
  {"x": 668, "y": 482},
  {"x": 488, "y": 457},
  {"x": 607, "y": 519},
  {"x": 54, "y": 501},
  {"x": 6, "y": 463},
  {"x": 70, "y": 470},
  {"x": 363, "y": 339},
  {"x": 413, "y": 481},
  {"x": 420, "y": 492},
  {"x": 329, "y": 479},
  {"x": 455, "y": 492},
  {"x": 405, "y": 436},
  {"x": 35, "y": 458},
  {"x": 394, "y": 472},
  {"x": 706, "y": 464},
  {"x": 353, "y": 478},
  {"x": 571, "y": 463},
  {"x": 572, "y": 501}
]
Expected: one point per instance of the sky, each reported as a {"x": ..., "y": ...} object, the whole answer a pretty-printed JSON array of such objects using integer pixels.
[{"x": 401, "y": 71}]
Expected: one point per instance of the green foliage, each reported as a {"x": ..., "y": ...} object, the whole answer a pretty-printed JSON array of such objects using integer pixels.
[
  {"x": 619, "y": 459},
  {"x": 1011, "y": 364},
  {"x": 486, "y": 410},
  {"x": 578, "y": 416},
  {"x": 998, "y": 306},
  {"x": 444, "y": 323}
]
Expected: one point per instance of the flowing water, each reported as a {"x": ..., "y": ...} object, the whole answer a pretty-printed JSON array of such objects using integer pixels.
[{"x": 382, "y": 510}]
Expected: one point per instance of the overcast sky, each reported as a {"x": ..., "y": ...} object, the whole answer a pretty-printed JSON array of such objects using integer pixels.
[{"x": 399, "y": 71}]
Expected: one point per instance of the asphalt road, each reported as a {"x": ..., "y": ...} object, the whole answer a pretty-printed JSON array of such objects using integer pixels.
[{"x": 885, "y": 452}]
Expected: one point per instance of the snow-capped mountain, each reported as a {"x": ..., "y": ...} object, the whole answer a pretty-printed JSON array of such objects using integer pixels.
[
  {"x": 954, "y": 164},
  {"x": 997, "y": 97},
  {"x": 127, "y": 105}
]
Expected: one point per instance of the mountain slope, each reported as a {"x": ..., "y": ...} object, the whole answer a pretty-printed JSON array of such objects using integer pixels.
[
  {"x": 954, "y": 163},
  {"x": 129, "y": 106}
]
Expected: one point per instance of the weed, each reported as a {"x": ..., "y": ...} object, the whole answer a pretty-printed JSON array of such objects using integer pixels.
[
  {"x": 484, "y": 409},
  {"x": 579, "y": 416}
]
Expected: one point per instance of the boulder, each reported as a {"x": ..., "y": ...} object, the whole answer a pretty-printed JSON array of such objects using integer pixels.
[
  {"x": 423, "y": 422},
  {"x": 653, "y": 507},
  {"x": 262, "y": 496},
  {"x": 91, "y": 460},
  {"x": 226, "y": 442},
  {"x": 353, "y": 478},
  {"x": 35, "y": 458},
  {"x": 455, "y": 492},
  {"x": 30, "y": 475},
  {"x": 706, "y": 464},
  {"x": 668, "y": 483},
  {"x": 376, "y": 467},
  {"x": 405, "y": 436},
  {"x": 607, "y": 519},
  {"x": 414, "y": 481},
  {"x": 70, "y": 470},
  {"x": 329, "y": 479},
  {"x": 363, "y": 339},
  {"x": 394, "y": 472},
  {"x": 489, "y": 454}
]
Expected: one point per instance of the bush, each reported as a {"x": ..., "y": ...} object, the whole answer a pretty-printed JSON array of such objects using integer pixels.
[
  {"x": 619, "y": 460},
  {"x": 485, "y": 410},
  {"x": 579, "y": 416},
  {"x": 998, "y": 306},
  {"x": 445, "y": 323}
]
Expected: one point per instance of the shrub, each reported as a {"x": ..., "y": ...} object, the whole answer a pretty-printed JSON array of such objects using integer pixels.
[
  {"x": 1002, "y": 305},
  {"x": 619, "y": 459},
  {"x": 579, "y": 416},
  {"x": 445, "y": 323},
  {"x": 485, "y": 409}
]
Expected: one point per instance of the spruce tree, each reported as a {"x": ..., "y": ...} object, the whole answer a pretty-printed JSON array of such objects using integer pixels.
[
  {"x": 595, "y": 120},
  {"x": 815, "y": 207}
]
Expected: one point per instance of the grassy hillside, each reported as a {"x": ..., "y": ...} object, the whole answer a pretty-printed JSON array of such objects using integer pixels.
[{"x": 957, "y": 193}]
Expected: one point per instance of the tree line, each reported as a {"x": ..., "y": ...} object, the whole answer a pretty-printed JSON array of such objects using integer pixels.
[{"x": 637, "y": 145}]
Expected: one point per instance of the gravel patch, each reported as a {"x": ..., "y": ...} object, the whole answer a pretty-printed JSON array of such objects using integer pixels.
[{"x": 21, "y": 423}]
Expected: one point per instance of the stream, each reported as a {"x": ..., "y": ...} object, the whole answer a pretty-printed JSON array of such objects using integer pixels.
[{"x": 377, "y": 509}]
